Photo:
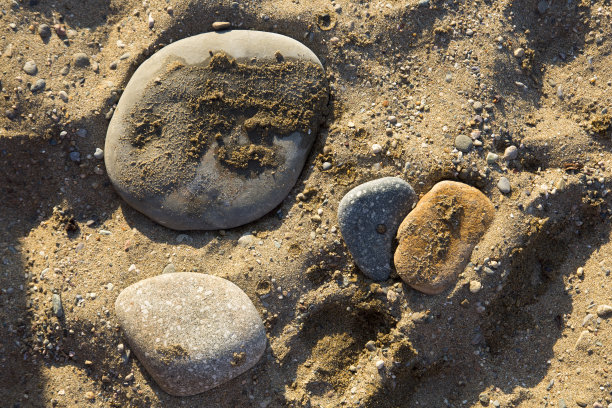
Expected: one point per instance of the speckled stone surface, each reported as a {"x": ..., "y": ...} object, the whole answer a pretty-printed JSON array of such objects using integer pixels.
[
  {"x": 191, "y": 331},
  {"x": 369, "y": 216}
]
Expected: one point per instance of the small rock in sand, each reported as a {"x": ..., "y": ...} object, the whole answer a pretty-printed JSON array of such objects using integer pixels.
[
  {"x": 30, "y": 68},
  {"x": 604, "y": 311},
  {"x": 437, "y": 237},
  {"x": 463, "y": 143},
  {"x": 220, "y": 25},
  {"x": 504, "y": 185},
  {"x": 510, "y": 153},
  {"x": 80, "y": 60}
]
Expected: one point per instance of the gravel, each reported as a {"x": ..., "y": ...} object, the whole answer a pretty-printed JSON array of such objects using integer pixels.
[
  {"x": 38, "y": 86},
  {"x": 504, "y": 185},
  {"x": 30, "y": 68},
  {"x": 44, "y": 31},
  {"x": 463, "y": 143},
  {"x": 510, "y": 153},
  {"x": 99, "y": 153},
  {"x": 492, "y": 158},
  {"x": 80, "y": 60},
  {"x": 56, "y": 305},
  {"x": 604, "y": 311}
]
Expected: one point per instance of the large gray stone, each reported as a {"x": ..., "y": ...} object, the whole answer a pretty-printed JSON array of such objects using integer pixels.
[
  {"x": 212, "y": 131},
  {"x": 191, "y": 331},
  {"x": 369, "y": 216}
]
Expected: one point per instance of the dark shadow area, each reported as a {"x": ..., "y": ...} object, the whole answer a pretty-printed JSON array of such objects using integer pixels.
[
  {"x": 31, "y": 195},
  {"x": 81, "y": 14},
  {"x": 550, "y": 38}
]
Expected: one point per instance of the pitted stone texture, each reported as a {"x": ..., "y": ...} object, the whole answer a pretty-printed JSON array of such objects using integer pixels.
[
  {"x": 159, "y": 175},
  {"x": 368, "y": 216},
  {"x": 437, "y": 238},
  {"x": 191, "y": 331}
]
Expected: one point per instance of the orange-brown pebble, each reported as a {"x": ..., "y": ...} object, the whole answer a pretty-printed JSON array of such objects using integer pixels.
[{"x": 437, "y": 237}]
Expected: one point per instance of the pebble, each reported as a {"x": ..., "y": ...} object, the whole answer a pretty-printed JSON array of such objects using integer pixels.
[
  {"x": 38, "y": 86},
  {"x": 562, "y": 403},
  {"x": 436, "y": 239},
  {"x": 191, "y": 331},
  {"x": 380, "y": 364},
  {"x": 584, "y": 340},
  {"x": 220, "y": 25},
  {"x": 376, "y": 148},
  {"x": 56, "y": 305},
  {"x": 475, "y": 286},
  {"x": 604, "y": 311},
  {"x": 368, "y": 216},
  {"x": 326, "y": 166},
  {"x": 63, "y": 96},
  {"x": 504, "y": 185},
  {"x": 81, "y": 132},
  {"x": 542, "y": 6},
  {"x": 170, "y": 268},
  {"x": 208, "y": 196},
  {"x": 246, "y": 240},
  {"x": 484, "y": 399},
  {"x": 80, "y": 60},
  {"x": 492, "y": 158},
  {"x": 30, "y": 68},
  {"x": 44, "y": 31},
  {"x": 75, "y": 156},
  {"x": 477, "y": 106},
  {"x": 90, "y": 395},
  {"x": 99, "y": 153},
  {"x": 510, "y": 153},
  {"x": 519, "y": 52},
  {"x": 463, "y": 143}
]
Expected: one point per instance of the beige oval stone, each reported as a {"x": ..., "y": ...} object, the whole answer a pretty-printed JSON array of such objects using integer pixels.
[{"x": 436, "y": 238}]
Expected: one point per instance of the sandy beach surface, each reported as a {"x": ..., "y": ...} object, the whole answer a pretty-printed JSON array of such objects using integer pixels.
[{"x": 509, "y": 96}]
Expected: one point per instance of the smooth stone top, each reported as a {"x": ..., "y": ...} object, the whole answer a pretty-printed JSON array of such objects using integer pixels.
[
  {"x": 212, "y": 131},
  {"x": 436, "y": 239},
  {"x": 368, "y": 217},
  {"x": 504, "y": 185},
  {"x": 191, "y": 331},
  {"x": 463, "y": 143}
]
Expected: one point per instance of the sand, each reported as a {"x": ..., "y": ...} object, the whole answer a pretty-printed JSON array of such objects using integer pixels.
[{"x": 407, "y": 76}]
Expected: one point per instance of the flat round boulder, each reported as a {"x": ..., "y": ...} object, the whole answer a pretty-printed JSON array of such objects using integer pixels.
[
  {"x": 213, "y": 130},
  {"x": 191, "y": 331}
]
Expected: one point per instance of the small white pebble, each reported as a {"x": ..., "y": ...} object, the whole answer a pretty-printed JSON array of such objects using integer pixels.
[
  {"x": 380, "y": 364},
  {"x": 376, "y": 148},
  {"x": 475, "y": 286}
]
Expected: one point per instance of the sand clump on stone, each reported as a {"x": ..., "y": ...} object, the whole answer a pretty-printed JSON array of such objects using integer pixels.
[{"x": 437, "y": 237}]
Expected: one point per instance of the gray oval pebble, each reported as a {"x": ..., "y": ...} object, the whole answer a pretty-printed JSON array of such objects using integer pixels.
[
  {"x": 191, "y": 331},
  {"x": 30, "y": 68},
  {"x": 369, "y": 216},
  {"x": 193, "y": 147},
  {"x": 504, "y": 185},
  {"x": 80, "y": 59},
  {"x": 463, "y": 143},
  {"x": 38, "y": 86}
]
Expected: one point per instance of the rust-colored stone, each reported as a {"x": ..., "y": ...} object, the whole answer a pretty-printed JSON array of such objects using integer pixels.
[{"x": 437, "y": 237}]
